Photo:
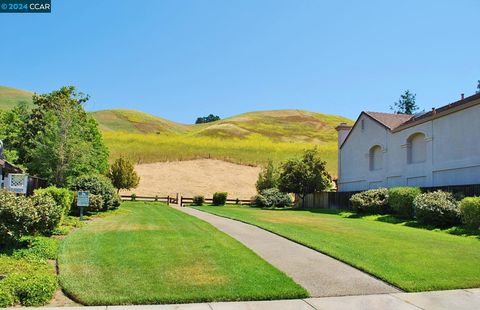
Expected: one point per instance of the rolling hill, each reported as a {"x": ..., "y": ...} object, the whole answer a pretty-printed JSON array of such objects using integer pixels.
[
  {"x": 10, "y": 97},
  {"x": 133, "y": 121},
  {"x": 278, "y": 125},
  {"x": 251, "y": 138}
]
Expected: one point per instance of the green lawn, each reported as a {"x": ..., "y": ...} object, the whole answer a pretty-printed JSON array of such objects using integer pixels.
[
  {"x": 150, "y": 253},
  {"x": 413, "y": 259}
]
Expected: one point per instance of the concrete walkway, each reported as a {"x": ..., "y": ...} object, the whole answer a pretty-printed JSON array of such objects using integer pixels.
[
  {"x": 442, "y": 300},
  {"x": 319, "y": 274}
]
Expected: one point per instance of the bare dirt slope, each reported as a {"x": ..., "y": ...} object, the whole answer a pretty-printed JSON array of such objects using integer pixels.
[{"x": 196, "y": 177}]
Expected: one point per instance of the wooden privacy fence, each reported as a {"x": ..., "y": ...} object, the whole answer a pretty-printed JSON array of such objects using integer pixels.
[
  {"x": 325, "y": 200},
  {"x": 185, "y": 200}
]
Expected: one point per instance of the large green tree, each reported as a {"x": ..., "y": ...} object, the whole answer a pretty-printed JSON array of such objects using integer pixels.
[
  {"x": 406, "y": 104},
  {"x": 305, "y": 175},
  {"x": 60, "y": 140},
  {"x": 12, "y": 123}
]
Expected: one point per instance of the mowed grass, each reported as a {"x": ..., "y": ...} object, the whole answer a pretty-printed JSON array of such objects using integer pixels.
[
  {"x": 151, "y": 254},
  {"x": 412, "y": 259},
  {"x": 252, "y": 150}
]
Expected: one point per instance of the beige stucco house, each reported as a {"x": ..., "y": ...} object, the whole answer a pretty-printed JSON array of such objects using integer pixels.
[{"x": 437, "y": 148}]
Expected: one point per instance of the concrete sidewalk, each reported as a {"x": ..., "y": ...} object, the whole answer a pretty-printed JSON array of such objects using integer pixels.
[
  {"x": 319, "y": 274},
  {"x": 440, "y": 300}
]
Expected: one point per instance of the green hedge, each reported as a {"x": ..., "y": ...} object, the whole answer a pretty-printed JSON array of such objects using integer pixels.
[
  {"x": 99, "y": 185},
  {"x": 372, "y": 201},
  {"x": 437, "y": 208},
  {"x": 49, "y": 214},
  {"x": 400, "y": 200},
  {"x": 62, "y": 196},
  {"x": 470, "y": 212},
  {"x": 272, "y": 197},
  {"x": 20, "y": 216}
]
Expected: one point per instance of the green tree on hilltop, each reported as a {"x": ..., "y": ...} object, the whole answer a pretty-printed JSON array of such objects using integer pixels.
[{"x": 207, "y": 119}]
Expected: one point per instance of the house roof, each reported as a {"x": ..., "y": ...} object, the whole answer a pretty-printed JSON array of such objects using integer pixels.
[
  {"x": 398, "y": 122},
  {"x": 9, "y": 167},
  {"x": 389, "y": 120},
  {"x": 442, "y": 111}
]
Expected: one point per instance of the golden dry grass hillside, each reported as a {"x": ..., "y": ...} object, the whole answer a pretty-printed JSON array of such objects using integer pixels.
[{"x": 196, "y": 177}]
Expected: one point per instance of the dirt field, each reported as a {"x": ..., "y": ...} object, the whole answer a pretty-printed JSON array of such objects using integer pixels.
[{"x": 196, "y": 177}]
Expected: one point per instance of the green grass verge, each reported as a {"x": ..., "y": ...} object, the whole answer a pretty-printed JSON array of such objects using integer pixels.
[
  {"x": 151, "y": 254},
  {"x": 413, "y": 259}
]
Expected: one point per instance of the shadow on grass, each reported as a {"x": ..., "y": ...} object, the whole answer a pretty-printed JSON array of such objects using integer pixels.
[{"x": 384, "y": 218}]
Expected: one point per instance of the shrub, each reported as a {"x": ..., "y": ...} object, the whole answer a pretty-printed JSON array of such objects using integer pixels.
[
  {"x": 400, "y": 200},
  {"x": 267, "y": 178},
  {"x": 6, "y": 298},
  {"x": 436, "y": 208},
  {"x": 30, "y": 280},
  {"x": 32, "y": 289},
  {"x": 470, "y": 212},
  {"x": 49, "y": 214},
  {"x": 62, "y": 196},
  {"x": 99, "y": 185},
  {"x": 21, "y": 216},
  {"x": 198, "y": 200},
  {"x": 219, "y": 198},
  {"x": 37, "y": 248},
  {"x": 273, "y": 198},
  {"x": 371, "y": 201},
  {"x": 133, "y": 197},
  {"x": 96, "y": 203},
  {"x": 17, "y": 217}
]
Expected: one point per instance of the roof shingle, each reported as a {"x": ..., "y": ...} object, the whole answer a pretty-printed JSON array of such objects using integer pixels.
[{"x": 389, "y": 120}]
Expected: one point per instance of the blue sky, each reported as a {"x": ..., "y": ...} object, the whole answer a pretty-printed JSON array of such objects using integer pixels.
[{"x": 182, "y": 59}]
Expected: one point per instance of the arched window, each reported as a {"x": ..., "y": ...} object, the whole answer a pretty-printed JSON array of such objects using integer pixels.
[
  {"x": 417, "y": 148},
  {"x": 376, "y": 157}
]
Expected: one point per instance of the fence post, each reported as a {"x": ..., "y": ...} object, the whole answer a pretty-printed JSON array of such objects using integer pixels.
[
  {"x": 176, "y": 200},
  {"x": 168, "y": 200},
  {"x": 181, "y": 201}
]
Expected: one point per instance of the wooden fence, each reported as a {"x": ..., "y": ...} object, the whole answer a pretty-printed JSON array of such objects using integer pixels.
[
  {"x": 187, "y": 200},
  {"x": 182, "y": 200},
  {"x": 167, "y": 199},
  {"x": 326, "y": 200}
]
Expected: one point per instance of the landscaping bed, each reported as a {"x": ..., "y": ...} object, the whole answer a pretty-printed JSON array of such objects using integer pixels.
[
  {"x": 412, "y": 259},
  {"x": 151, "y": 254}
]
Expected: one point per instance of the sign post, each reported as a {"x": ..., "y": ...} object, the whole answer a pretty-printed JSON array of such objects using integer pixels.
[{"x": 83, "y": 200}]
